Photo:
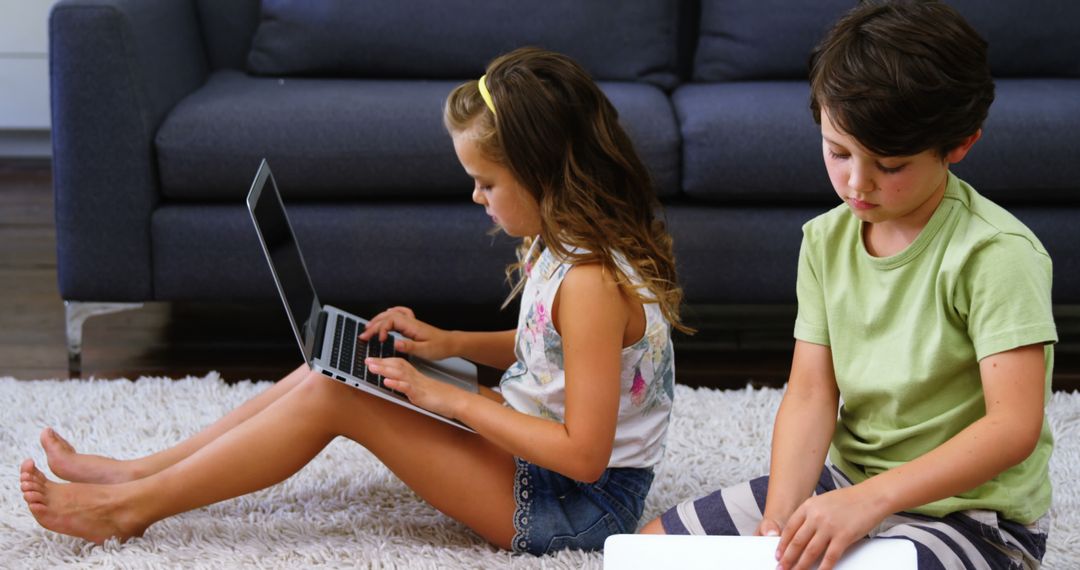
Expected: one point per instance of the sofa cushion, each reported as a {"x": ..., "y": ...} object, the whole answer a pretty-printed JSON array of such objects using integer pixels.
[
  {"x": 750, "y": 141},
  {"x": 443, "y": 39},
  {"x": 772, "y": 39},
  {"x": 758, "y": 141},
  {"x": 434, "y": 251},
  {"x": 1030, "y": 148},
  {"x": 738, "y": 254},
  {"x": 227, "y": 29},
  {"x": 1027, "y": 39},
  {"x": 342, "y": 138},
  {"x": 761, "y": 39}
]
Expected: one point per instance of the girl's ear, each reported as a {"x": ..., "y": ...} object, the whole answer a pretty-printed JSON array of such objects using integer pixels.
[{"x": 957, "y": 154}]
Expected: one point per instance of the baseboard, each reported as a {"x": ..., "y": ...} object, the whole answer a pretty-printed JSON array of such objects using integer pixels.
[{"x": 20, "y": 143}]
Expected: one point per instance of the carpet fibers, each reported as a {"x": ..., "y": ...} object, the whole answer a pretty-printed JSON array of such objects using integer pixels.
[{"x": 346, "y": 510}]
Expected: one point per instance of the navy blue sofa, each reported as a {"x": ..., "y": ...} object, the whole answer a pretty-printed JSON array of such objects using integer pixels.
[{"x": 162, "y": 110}]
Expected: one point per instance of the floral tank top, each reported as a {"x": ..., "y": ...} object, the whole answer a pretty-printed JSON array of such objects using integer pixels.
[{"x": 536, "y": 383}]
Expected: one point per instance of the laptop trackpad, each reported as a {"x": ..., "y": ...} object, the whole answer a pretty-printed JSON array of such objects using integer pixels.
[{"x": 455, "y": 371}]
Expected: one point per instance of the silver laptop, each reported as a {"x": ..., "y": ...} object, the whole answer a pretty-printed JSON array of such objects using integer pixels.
[
  {"x": 650, "y": 551},
  {"x": 328, "y": 336}
]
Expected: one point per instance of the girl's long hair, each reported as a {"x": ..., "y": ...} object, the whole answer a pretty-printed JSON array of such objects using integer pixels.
[{"x": 560, "y": 137}]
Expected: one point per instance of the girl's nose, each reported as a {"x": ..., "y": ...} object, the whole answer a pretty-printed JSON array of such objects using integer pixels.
[{"x": 477, "y": 196}]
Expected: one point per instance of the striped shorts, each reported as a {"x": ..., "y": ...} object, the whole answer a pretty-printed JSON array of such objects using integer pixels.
[{"x": 961, "y": 540}]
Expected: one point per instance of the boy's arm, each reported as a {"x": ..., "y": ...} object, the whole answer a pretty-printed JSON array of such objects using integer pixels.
[
  {"x": 804, "y": 427},
  {"x": 1014, "y": 391}
]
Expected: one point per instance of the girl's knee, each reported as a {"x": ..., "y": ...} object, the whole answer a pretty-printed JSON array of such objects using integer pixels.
[{"x": 316, "y": 387}]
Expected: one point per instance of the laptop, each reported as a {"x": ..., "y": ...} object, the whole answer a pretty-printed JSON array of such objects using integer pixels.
[
  {"x": 327, "y": 335},
  {"x": 650, "y": 551}
]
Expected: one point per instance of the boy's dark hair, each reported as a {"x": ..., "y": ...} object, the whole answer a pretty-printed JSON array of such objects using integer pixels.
[{"x": 902, "y": 76}]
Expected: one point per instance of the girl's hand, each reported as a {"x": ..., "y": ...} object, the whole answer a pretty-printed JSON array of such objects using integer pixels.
[
  {"x": 424, "y": 340},
  {"x": 432, "y": 395},
  {"x": 824, "y": 526}
]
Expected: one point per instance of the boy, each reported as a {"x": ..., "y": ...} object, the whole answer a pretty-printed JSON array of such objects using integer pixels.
[{"x": 923, "y": 306}]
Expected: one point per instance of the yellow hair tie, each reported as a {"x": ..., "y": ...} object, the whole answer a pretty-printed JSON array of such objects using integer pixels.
[{"x": 485, "y": 94}]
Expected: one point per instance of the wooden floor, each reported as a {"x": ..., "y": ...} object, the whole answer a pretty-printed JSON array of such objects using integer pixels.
[{"x": 735, "y": 345}]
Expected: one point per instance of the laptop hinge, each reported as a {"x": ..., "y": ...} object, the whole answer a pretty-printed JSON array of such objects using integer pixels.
[{"x": 320, "y": 330}]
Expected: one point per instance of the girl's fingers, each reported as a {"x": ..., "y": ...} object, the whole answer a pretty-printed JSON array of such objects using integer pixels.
[
  {"x": 403, "y": 310},
  {"x": 385, "y": 326},
  {"x": 372, "y": 326},
  {"x": 399, "y": 385},
  {"x": 383, "y": 367},
  {"x": 384, "y": 330},
  {"x": 393, "y": 368}
]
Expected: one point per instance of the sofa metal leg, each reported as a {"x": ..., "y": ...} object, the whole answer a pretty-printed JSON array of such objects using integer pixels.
[{"x": 75, "y": 314}]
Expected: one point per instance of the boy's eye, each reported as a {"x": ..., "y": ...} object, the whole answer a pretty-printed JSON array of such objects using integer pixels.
[{"x": 890, "y": 170}]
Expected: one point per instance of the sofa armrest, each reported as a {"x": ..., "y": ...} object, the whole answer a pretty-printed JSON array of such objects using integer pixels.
[{"x": 116, "y": 68}]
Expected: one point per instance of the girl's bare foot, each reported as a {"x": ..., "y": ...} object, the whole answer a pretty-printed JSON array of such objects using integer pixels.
[
  {"x": 71, "y": 465},
  {"x": 92, "y": 512}
]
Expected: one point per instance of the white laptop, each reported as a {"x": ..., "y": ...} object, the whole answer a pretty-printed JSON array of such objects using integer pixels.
[
  {"x": 650, "y": 551},
  {"x": 328, "y": 336}
]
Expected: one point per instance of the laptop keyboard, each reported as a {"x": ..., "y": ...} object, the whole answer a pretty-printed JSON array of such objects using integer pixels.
[{"x": 348, "y": 352}]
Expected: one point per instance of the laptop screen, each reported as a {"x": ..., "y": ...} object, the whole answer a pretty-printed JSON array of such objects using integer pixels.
[{"x": 283, "y": 253}]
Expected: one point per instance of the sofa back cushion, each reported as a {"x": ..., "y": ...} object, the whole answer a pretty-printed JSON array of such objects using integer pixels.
[
  {"x": 772, "y": 39},
  {"x": 227, "y": 28},
  {"x": 435, "y": 39}
]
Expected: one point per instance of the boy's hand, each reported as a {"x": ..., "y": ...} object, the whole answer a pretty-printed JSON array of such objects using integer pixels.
[
  {"x": 432, "y": 395},
  {"x": 768, "y": 527},
  {"x": 824, "y": 526},
  {"x": 424, "y": 340}
]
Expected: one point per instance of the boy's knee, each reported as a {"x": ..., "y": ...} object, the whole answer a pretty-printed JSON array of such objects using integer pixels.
[{"x": 653, "y": 527}]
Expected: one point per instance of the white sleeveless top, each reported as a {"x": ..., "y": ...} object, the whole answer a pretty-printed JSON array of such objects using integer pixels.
[{"x": 536, "y": 383}]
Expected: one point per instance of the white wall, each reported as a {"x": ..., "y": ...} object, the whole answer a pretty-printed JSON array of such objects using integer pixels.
[{"x": 24, "y": 78}]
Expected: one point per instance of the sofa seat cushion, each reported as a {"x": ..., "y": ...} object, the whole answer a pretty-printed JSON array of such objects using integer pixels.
[
  {"x": 438, "y": 252},
  {"x": 345, "y": 138},
  {"x": 738, "y": 253},
  {"x": 750, "y": 142}
]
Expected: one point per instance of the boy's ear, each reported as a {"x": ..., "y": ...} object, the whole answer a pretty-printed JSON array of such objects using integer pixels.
[{"x": 957, "y": 154}]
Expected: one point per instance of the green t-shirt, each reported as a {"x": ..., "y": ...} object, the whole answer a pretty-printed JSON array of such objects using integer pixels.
[{"x": 907, "y": 332}]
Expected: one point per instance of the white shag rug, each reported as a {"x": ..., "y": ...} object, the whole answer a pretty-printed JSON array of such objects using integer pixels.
[{"x": 346, "y": 510}]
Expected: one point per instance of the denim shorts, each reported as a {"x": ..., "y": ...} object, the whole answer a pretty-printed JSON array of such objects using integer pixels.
[{"x": 555, "y": 512}]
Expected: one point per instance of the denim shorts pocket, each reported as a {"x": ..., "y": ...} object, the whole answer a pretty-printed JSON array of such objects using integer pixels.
[
  {"x": 589, "y": 539},
  {"x": 625, "y": 494}
]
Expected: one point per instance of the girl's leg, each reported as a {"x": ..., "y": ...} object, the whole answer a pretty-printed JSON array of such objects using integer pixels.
[
  {"x": 459, "y": 473},
  {"x": 77, "y": 467}
]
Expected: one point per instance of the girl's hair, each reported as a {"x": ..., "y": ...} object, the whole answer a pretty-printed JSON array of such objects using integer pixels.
[
  {"x": 902, "y": 77},
  {"x": 560, "y": 137}
]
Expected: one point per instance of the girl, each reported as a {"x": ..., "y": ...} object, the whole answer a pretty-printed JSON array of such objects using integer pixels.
[{"x": 563, "y": 457}]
